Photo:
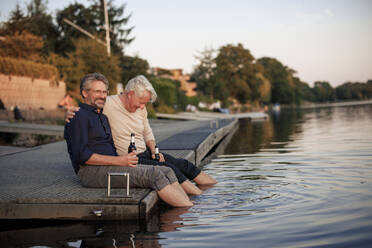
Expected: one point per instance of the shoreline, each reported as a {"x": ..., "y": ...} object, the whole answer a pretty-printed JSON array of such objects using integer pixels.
[{"x": 328, "y": 105}]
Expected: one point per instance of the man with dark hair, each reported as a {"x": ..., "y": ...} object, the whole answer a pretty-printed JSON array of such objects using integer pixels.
[{"x": 93, "y": 154}]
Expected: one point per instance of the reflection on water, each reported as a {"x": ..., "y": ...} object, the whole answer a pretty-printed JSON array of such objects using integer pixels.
[{"x": 302, "y": 179}]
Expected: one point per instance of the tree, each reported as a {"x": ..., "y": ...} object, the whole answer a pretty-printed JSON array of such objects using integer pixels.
[
  {"x": 79, "y": 15},
  {"x": 88, "y": 57},
  {"x": 303, "y": 91},
  {"x": 209, "y": 84},
  {"x": 264, "y": 88},
  {"x": 368, "y": 89},
  {"x": 205, "y": 71},
  {"x": 37, "y": 21},
  {"x": 277, "y": 73},
  {"x": 343, "y": 92},
  {"x": 354, "y": 91},
  {"x": 234, "y": 66},
  {"x": 41, "y": 24},
  {"x": 92, "y": 19},
  {"x": 231, "y": 73},
  {"x": 17, "y": 23},
  {"x": 131, "y": 67},
  {"x": 323, "y": 92}
]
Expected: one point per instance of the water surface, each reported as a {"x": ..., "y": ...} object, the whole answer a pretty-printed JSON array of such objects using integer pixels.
[{"x": 301, "y": 179}]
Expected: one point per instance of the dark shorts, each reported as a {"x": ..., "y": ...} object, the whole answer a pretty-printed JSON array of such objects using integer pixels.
[{"x": 184, "y": 169}]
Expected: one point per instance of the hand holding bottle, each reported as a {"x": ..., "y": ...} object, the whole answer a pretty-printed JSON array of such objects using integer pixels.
[
  {"x": 130, "y": 160},
  {"x": 157, "y": 155},
  {"x": 132, "y": 145}
]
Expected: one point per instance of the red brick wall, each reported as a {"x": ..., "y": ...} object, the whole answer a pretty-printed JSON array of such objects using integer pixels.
[{"x": 28, "y": 93}]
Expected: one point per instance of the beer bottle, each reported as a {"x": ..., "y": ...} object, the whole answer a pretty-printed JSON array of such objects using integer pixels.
[
  {"x": 157, "y": 156},
  {"x": 132, "y": 145}
]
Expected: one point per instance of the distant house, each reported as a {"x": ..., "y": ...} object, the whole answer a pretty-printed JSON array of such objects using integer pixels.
[{"x": 177, "y": 74}]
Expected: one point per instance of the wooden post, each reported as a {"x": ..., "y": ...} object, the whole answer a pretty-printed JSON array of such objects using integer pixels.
[
  {"x": 107, "y": 26},
  {"x": 83, "y": 31}
]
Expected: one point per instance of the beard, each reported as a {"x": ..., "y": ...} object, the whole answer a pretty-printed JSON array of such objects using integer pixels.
[{"x": 98, "y": 102}]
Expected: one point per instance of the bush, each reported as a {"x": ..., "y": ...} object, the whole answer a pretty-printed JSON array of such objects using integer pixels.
[
  {"x": 166, "y": 90},
  {"x": 165, "y": 109},
  {"x": 89, "y": 56},
  {"x": 21, "y": 45},
  {"x": 21, "y": 67},
  {"x": 150, "y": 111}
]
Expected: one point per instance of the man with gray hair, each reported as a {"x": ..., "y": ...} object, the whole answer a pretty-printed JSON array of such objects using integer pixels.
[
  {"x": 127, "y": 114},
  {"x": 93, "y": 154},
  {"x": 140, "y": 85}
]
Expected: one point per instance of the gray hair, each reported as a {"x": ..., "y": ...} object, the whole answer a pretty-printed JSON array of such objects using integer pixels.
[
  {"x": 87, "y": 80},
  {"x": 139, "y": 84}
]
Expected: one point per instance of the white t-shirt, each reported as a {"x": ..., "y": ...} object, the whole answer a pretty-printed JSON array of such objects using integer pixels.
[{"x": 123, "y": 123}]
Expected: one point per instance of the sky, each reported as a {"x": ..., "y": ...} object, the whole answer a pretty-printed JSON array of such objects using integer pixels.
[{"x": 323, "y": 40}]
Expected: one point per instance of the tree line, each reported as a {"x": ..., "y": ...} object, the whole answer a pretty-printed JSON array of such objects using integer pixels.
[{"x": 232, "y": 72}]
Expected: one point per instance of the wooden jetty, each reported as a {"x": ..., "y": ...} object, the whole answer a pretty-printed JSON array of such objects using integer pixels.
[
  {"x": 39, "y": 182},
  {"x": 30, "y": 128},
  {"x": 202, "y": 115}
]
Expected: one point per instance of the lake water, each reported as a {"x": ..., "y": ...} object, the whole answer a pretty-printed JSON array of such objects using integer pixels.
[{"x": 301, "y": 179}]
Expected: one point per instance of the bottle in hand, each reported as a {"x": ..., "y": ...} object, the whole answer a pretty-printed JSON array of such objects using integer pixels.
[
  {"x": 132, "y": 145},
  {"x": 157, "y": 156}
]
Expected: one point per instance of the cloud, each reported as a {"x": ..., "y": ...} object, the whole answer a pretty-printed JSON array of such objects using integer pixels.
[
  {"x": 314, "y": 17},
  {"x": 329, "y": 13}
]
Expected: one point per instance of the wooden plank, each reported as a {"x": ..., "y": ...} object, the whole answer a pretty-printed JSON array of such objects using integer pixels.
[
  {"x": 221, "y": 146},
  {"x": 148, "y": 204},
  {"x": 212, "y": 140},
  {"x": 68, "y": 211},
  {"x": 31, "y": 128}
]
